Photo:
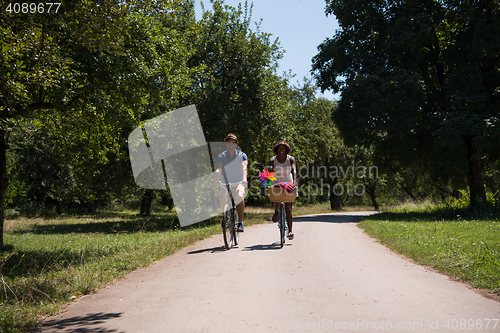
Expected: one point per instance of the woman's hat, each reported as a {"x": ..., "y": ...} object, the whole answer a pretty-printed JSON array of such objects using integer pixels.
[
  {"x": 231, "y": 136},
  {"x": 282, "y": 143}
]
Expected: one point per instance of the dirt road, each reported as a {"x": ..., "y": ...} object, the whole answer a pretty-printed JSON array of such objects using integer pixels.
[{"x": 331, "y": 277}]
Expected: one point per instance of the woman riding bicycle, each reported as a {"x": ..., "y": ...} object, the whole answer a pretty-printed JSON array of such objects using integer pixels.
[{"x": 284, "y": 168}]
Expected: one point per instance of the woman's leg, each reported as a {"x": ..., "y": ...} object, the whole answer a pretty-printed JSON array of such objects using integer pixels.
[
  {"x": 289, "y": 219},
  {"x": 275, "y": 216}
]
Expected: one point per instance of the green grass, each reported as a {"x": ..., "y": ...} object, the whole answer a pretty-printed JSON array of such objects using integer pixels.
[{"x": 450, "y": 240}]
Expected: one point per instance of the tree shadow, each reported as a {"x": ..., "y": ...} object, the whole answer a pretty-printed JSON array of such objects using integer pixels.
[
  {"x": 129, "y": 225},
  {"x": 330, "y": 218},
  {"x": 32, "y": 263},
  {"x": 444, "y": 212},
  {"x": 125, "y": 225},
  {"x": 429, "y": 216},
  {"x": 71, "y": 324},
  {"x": 413, "y": 216}
]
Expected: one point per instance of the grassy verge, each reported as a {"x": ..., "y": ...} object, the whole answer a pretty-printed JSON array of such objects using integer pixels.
[{"x": 448, "y": 240}]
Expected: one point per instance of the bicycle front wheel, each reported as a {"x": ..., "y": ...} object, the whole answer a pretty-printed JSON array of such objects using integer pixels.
[
  {"x": 236, "y": 234},
  {"x": 281, "y": 219},
  {"x": 227, "y": 228}
]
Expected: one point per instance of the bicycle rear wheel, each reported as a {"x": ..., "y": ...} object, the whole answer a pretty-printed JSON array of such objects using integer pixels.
[
  {"x": 281, "y": 219},
  {"x": 227, "y": 228}
]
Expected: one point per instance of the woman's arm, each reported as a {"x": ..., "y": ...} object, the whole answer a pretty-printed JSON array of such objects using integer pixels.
[
  {"x": 294, "y": 170},
  {"x": 271, "y": 164},
  {"x": 244, "y": 165}
]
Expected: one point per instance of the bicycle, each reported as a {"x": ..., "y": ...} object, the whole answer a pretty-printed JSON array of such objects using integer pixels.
[
  {"x": 282, "y": 225},
  {"x": 281, "y": 196},
  {"x": 229, "y": 216}
]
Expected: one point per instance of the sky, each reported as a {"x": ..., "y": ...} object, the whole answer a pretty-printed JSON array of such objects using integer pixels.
[{"x": 300, "y": 25}]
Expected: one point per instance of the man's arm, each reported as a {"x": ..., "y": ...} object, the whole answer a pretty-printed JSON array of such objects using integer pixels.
[{"x": 218, "y": 168}]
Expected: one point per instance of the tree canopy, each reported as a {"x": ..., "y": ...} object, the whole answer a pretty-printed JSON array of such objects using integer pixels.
[
  {"x": 78, "y": 80},
  {"x": 418, "y": 79}
]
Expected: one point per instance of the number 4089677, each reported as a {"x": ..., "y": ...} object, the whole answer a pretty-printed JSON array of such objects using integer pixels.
[{"x": 32, "y": 8}]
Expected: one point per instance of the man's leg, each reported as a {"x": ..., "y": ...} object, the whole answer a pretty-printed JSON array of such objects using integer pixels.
[
  {"x": 240, "y": 206},
  {"x": 223, "y": 198}
]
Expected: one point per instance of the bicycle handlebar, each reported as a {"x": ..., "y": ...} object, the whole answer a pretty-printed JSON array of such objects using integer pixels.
[{"x": 230, "y": 184}]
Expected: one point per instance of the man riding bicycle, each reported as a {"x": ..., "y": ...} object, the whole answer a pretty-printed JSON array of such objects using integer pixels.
[{"x": 235, "y": 164}]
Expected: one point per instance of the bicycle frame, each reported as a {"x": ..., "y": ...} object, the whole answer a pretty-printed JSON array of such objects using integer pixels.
[{"x": 282, "y": 224}]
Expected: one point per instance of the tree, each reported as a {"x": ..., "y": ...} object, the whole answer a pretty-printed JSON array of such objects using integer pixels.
[
  {"x": 369, "y": 172},
  {"x": 80, "y": 70},
  {"x": 418, "y": 79},
  {"x": 316, "y": 142},
  {"x": 238, "y": 89}
]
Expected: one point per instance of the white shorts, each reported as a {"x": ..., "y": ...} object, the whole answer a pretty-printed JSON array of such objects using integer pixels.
[{"x": 239, "y": 193}]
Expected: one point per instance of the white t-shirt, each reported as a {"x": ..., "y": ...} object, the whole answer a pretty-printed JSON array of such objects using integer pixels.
[
  {"x": 232, "y": 166},
  {"x": 283, "y": 172}
]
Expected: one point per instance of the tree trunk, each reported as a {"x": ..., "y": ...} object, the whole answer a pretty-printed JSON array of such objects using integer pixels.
[
  {"x": 4, "y": 181},
  {"x": 50, "y": 202},
  {"x": 410, "y": 194},
  {"x": 370, "y": 189},
  {"x": 474, "y": 173},
  {"x": 58, "y": 207},
  {"x": 170, "y": 204},
  {"x": 90, "y": 207},
  {"x": 147, "y": 199},
  {"x": 335, "y": 200}
]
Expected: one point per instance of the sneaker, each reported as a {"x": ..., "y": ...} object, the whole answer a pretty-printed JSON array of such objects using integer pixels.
[{"x": 239, "y": 227}]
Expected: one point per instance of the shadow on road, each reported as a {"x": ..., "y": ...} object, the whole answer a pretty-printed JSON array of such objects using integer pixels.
[
  {"x": 329, "y": 218},
  {"x": 71, "y": 324},
  {"x": 273, "y": 246},
  {"x": 211, "y": 250},
  {"x": 324, "y": 218}
]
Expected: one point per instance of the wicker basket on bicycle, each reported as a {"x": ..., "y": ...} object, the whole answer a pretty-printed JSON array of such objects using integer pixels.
[{"x": 280, "y": 194}]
